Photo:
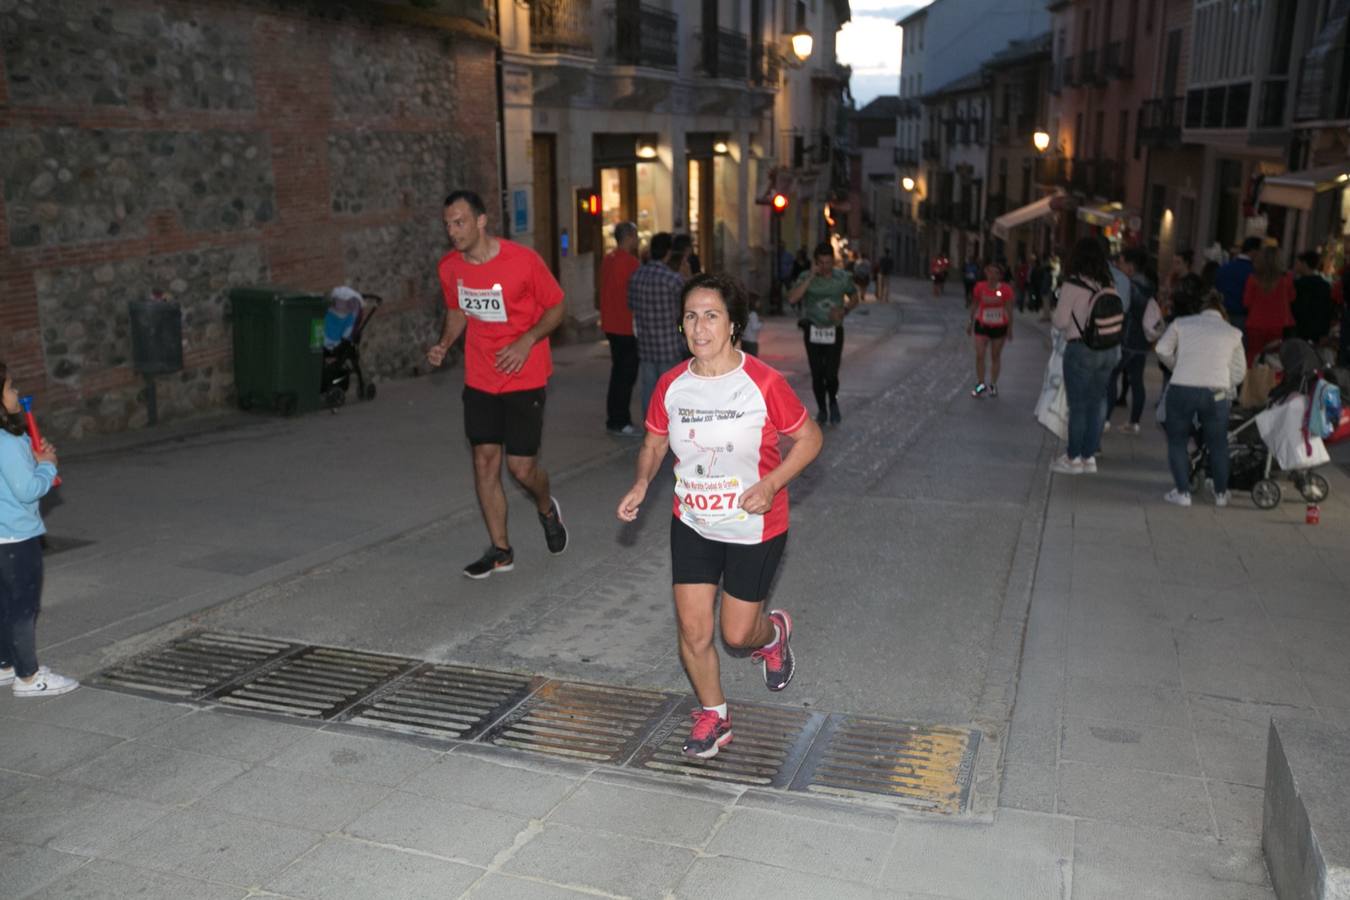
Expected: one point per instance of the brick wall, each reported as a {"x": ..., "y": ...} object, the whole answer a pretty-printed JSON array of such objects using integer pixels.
[{"x": 194, "y": 146}]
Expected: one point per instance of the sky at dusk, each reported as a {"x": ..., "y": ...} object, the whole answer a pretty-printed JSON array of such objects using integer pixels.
[{"x": 870, "y": 43}]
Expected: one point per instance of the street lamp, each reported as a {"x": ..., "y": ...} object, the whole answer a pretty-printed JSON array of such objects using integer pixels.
[
  {"x": 802, "y": 42},
  {"x": 907, "y": 183},
  {"x": 646, "y": 148},
  {"x": 1042, "y": 140}
]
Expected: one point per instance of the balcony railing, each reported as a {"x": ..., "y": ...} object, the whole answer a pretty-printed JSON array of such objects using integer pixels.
[
  {"x": 906, "y": 156},
  {"x": 1120, "y": 60},
  {"x": 931, "y": 151},
  {"x": 645, "y": 36},
  {"x": 1088, "y": 73},
  {"x": 561, "y": 26},
  {"x": 1161, "y": 123},
  {"x": 725, "y": 54},
  {"x": 766, "y": 65}
]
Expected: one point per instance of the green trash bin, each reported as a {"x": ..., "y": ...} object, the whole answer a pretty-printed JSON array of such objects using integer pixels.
[{"x": 278, "y": 348}]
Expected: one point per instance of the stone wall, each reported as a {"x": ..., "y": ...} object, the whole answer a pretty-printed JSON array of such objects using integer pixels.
[{"x": 191, "y": 147}]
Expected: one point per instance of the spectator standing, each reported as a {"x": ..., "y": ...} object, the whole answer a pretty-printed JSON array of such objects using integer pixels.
[
  {"x": 1206, "y": 358},
  {"x": 800, "y": 263},
  {"x": 1267, "y": 301},
  {"x": 862, "y": 273},
  {"x": 1143, "y": 324},
  {"x": 692, "y": 265},
  {"x": 970, "y": 276},
  {"x": 654, "y": 298},
  {"x": 1086, "y": 371},
  {"x": 885, "y": 266},
  {"x": 1231, "y": 281},
  {"x": 616, "y": 320},
  {"x": 1312, "y": 299}
]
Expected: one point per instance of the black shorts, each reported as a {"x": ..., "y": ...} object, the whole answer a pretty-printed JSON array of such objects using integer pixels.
[
  {"x": 514, "y": 419},
  {"x": 744, "y": 570},
  {"x": 993, "y": 332}
]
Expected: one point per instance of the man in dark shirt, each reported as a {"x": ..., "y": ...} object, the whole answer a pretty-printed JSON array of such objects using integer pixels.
[
  {"x": 1231, "y": 281},
  {"x": 1312, "y": 298}
]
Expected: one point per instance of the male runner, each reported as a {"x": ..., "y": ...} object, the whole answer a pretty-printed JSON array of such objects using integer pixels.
[{"x": 505, "y": 300}]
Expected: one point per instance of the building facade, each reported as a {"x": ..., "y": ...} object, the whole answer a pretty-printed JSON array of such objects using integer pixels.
[
  {"x": 188, "y": 149},
  {"x": 874, "y": 146},
  {"x": 680, "y": 117},
  {"x": 1018, "y": 79}
]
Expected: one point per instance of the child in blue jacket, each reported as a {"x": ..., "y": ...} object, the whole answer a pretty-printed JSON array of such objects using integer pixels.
[{"x": 25, "y": 477}]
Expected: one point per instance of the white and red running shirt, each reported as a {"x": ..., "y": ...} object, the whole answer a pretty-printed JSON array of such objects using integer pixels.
[{"x": 724, "y": 433}]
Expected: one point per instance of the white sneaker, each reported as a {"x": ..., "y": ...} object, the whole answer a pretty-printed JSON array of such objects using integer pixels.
[
  {"x": 1221, "y": 500},
  {"x": 1177, "y": 497},
  {"x": 7, "y": 674},
  {"x": 1090, "y": 466},
  {"x": 1066, "y": 466},
  {"x": 1130, "y": 428},
  {"x": 45, "y": 684},
  {"x": 1106, "y": 426}
]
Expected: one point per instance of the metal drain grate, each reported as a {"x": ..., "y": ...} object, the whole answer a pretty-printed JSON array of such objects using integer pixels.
[
  {"x": 316, "y": 683},
  {"x": 768, "y": 745},
  {"x": 929, "y": 767},
  {"x": 583, "y": 721},
  {"x": 444, "y": 701},
  {"x": 195, "y": 666}
]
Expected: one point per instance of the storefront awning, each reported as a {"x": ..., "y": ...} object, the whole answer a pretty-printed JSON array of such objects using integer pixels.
[
  {"x": 1024, "y": 215},
  {"x": 1297, "y": 190},
  {"x": 1102, "y": 215}
]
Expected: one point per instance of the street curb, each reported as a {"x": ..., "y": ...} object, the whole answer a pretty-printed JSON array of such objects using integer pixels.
[{"x": 993, "y": 714}]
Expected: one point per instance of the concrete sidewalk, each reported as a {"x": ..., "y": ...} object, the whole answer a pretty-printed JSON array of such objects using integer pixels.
[{"x": 1158, "y": 642}]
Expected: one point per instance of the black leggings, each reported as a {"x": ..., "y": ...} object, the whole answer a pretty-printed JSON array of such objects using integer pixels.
[
  {"x": 20, "y": 591},
  {"x": 824, "y": 361}
]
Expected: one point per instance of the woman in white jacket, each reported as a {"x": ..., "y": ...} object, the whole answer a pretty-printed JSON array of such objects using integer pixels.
[{"x": 1208, "y": 363}]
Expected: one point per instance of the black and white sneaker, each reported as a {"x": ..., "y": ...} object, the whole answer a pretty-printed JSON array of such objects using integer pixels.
[
  {"x": 494, "y": 560},
  {"x": 555, "y": 532}
]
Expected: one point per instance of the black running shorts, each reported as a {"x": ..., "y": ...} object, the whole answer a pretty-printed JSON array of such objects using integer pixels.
[
  {"x": 744, "y": 570},
  {"x": 514, "y": 419},
  {"x": 993, "y": 332}
]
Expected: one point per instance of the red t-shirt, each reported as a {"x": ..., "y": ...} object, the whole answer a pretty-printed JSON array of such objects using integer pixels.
[
  {"x": 502, "y": 298},
  {"x": 1271, "y": 309},
  {"x": 615, "y": 270},
  {"x": 724, "y": 434},
  {"x": 991, "y": 304}
]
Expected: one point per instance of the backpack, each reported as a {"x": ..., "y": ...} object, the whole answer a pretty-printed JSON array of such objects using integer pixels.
[
  {"x": 1106, "y": 317},
  {"x": 1324, "y": 409}
]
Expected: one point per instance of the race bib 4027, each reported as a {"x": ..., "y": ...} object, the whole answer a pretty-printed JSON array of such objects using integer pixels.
[{"x": 484, "y": 304}]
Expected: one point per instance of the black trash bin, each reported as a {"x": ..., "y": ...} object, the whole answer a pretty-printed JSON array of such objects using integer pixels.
[{"x": 278, "y": 348}]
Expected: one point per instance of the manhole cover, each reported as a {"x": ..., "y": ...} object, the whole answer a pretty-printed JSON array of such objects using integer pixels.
[
  {"x": 195, "y": 666},
  {"x": 768, "y": 744},
  {"x": 444, "y": 701},
  {"x": 316, "y": 683},
  {"x": 924, "y": 766},
  {"x": 583, "y": 721}
]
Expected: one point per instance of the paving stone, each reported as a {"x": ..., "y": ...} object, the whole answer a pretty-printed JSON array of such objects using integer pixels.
[
  {"x": 104, "y": 712},
  {"x": 202, "y": 844},
  {"x": 13, "y": 782},
  {"x": 245, "y": 738},
  {"x": 649, "y": 815},
  {"x": 37, "y": 749},
  {"x": 1150, "y": 670},
  {"x": 479, "y": 782},
  {"x": 73, "y": 818},
  {"x": 159, "y": 774},
  {"x": 1129, "y": 745},
  {"x": 352, "y": 758},
  {"x": 1133, "y": 797},
  {"x": 1246, "y": 680},
  {"x": 574, "y": 857},
  {"x": 441, "y": 827},
  {"x": 1021, "y": 855},
  {"x": 1033, "y": 740},
  {"x": 1031, "y": 788},
  {"x": 27, "y": 868},
  {"x": 102, "y": 879},
  {"x": 344, "y": 869},
  {"x": 1113, "y": 861},
  {"x": 804, "y": 845},
  {"x": 1104, "y": 699},
  {"x": 1238, "y": 810},
  {"x": 850, "y": 813},
  {"x": 720, "y": 878},
  {"x": 294, "y": 798},
  {"x": 505, "y": 887}
]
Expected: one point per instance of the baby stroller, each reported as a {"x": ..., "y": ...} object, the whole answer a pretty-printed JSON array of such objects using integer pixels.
[
  {"x": 348, "y": 313},
  {"x": 1251, "y": 463}
]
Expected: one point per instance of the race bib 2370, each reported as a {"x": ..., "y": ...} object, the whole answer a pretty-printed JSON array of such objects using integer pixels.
[{"x": 484, "y": 304}]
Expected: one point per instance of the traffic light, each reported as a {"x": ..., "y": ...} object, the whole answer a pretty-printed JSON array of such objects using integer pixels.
[
  {"x": 588, "y": 220},
  {"x": 779, "y": 203}
]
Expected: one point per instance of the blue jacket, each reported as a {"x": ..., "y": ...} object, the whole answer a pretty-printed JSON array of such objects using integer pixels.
[
  {"x": 23, "y": 482},
  {"x": 1231, "y": 281}
]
